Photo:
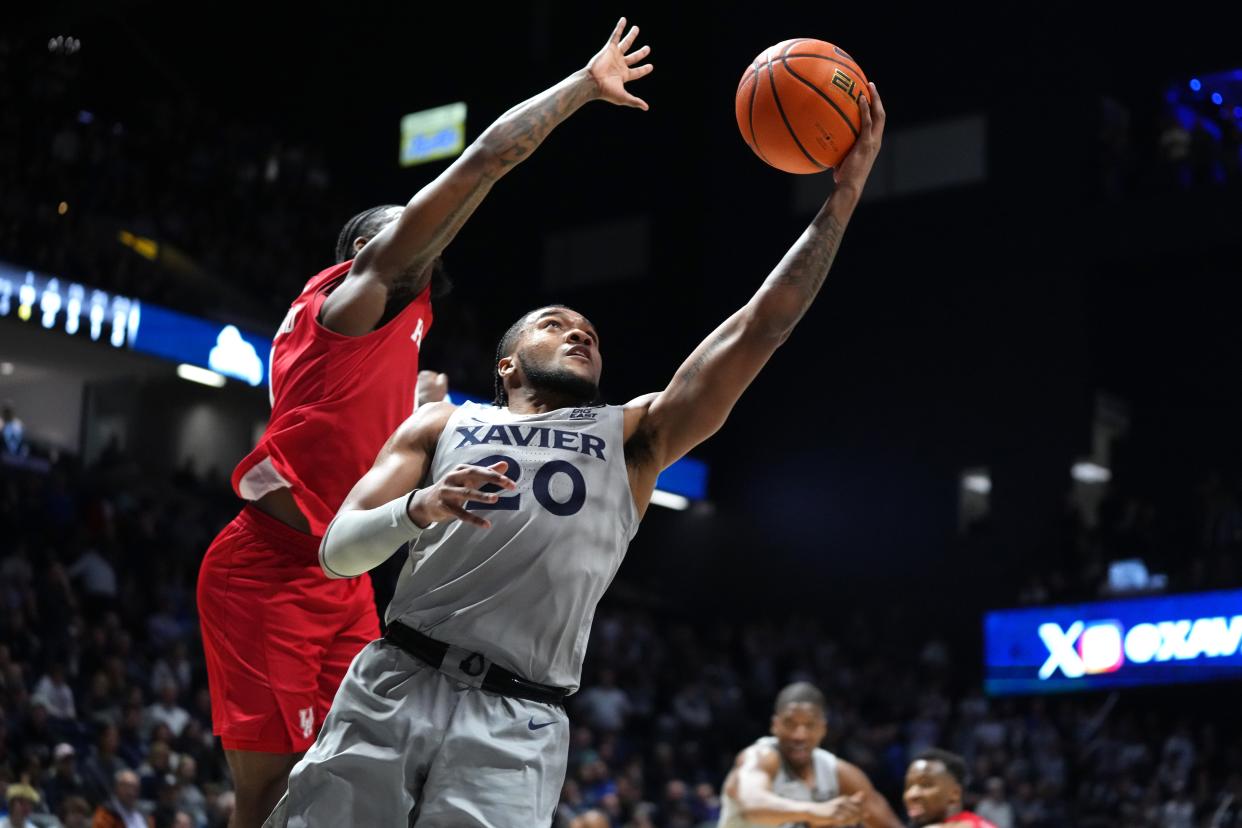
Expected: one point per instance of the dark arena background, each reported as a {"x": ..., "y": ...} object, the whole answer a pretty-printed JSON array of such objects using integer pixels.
[{"x": 987, "y": 497}]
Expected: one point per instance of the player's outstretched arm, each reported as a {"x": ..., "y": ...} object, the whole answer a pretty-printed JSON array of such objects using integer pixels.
[
  {"x": 437, "y": 212},
  {"x": 876, "y": 812},
  {"x": 385, "y": 510},
  {"x": 662, "y": 427},
  {"x": 750, "y": 783}
]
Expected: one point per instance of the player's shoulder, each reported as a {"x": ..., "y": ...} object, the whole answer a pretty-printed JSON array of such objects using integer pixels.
[
  {"x": 635, "y": 413},
  {"x": 760, "y": 755},
  {"x": 636, "y": 409}
]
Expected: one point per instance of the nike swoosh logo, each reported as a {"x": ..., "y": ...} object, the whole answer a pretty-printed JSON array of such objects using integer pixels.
[{"x": 534, "y": 726}]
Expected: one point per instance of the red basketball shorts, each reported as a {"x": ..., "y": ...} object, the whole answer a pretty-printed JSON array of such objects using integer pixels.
[{"x": 278, "y": 634}]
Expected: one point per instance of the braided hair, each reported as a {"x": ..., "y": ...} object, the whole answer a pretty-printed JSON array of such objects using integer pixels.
[
  {"x": 503, "y": 348},
  {"x": 367, "y": 223}
]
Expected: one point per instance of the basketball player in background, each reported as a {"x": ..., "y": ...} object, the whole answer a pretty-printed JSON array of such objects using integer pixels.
[
  {"x": 518, "y": 515},
  {"x": 933, "y": 794},
  {"x": 278, "y": 635},
  {"x": 788, "y": 779}
]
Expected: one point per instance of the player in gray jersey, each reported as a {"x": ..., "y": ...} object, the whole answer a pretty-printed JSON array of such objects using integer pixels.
[
  {"x": 518, "y": 516},
  {"x": 787, "y": 779}
]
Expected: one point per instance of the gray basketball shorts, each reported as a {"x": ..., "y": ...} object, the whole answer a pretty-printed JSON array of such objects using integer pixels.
[{"x": 408, "y": 745}]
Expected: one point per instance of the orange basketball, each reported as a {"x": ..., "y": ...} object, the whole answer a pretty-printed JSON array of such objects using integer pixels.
[{"x": 797, "y": 105}]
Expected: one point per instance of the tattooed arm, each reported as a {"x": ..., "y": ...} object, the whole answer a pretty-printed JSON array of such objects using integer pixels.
[
  {"x": 661, "y": 428},
  {"x": 435, "y": 215}
]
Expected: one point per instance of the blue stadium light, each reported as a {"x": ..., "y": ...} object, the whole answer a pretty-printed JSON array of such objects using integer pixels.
[
  {"x": 1216, "y": 98},
  {"x": 1195, "y": 86}
]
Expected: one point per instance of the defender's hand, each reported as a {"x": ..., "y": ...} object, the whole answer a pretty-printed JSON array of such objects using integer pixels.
[
  {"x": 612, "y": 68},
  {"x": 432, "y": 387}
]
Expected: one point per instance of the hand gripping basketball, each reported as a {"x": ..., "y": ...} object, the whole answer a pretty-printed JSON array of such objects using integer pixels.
[
  {"x": 612, "y": 68},
  {"x": 859, "y": 160},
  {"x": 447, "y": 498}
]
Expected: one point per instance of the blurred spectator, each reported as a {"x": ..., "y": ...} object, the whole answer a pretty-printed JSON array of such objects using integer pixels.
[
  {"x": 97, "y": 575},
  {"x": 75, "y": 812},
  {"x": 122, "y": 810},
  {"x": 104, "y": 764},
  {"x": 190, "y": 798},
  {"x": 1178, "y": 812},
  {"x": 604, "y": 705},
  {"x": 63, "y": 780},
  {"x": 994, "y": 807},
  {"x": 166, "y": 711},
  {"x": 12, "y": 430},
  {"x": 591, "y": 819},
  {"x": 21, "y": 800},
  {"x": 54, "y": 694},
  {"x": 156, "y": 771}
]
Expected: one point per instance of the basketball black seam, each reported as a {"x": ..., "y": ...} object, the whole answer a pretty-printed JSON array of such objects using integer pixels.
[
  {"x": 788, "y": 127},
  {"x": 754, "y": 139},
  {"x": 846, "y": 64},
  {"x": 827, "y": 99}
]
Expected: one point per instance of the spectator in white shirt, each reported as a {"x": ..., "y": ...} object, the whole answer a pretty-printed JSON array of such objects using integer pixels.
[
  {"x": 55, "y": 694},
  {"x": 994, "y": 807},
  {"x": 605, "y": 705},
  {"x": 166, "y": 711}
]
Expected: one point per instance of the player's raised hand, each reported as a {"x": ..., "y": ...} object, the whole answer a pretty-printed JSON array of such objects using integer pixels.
[
  {"x": 857, "y": 164},
  {"x": 615, "y": 65},
  {"x": 447, "y": 498}
]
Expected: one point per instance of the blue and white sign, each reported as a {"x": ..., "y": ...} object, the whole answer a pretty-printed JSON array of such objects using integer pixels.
[
  {"x": 76, "y": 309},
  {"x": 123, "y": 322},
  {"x": 1161, "y": 640},
  {"x": 222, "y": 348}
]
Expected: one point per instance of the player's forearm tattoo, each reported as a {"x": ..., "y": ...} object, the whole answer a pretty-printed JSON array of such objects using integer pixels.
[
  {"x": 520, "y": 130},
  {"x": 700, "y": 360},
  {"x": 807, "y": 264}
]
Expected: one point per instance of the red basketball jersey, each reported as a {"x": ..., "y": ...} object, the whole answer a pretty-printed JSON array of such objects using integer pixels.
[
  {"x": 335, "y": 400},
  {"x": 967, "y": 818}
]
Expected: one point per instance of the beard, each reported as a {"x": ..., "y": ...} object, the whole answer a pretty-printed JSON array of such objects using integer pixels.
[{"x": 560, "y": 382}]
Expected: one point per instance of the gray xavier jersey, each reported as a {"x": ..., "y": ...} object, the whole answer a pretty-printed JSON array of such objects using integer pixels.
[
  {"x": 789, "y": 786},
  {"x": 523, "y": 593}
]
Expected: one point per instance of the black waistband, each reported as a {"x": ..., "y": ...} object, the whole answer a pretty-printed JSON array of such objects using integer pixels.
[{"x": 497, "y": 680}]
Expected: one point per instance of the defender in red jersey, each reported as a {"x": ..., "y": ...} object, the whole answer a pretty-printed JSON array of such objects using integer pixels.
[
  {"x": 277, "y": 634},
  {"x": 933, "y": 794}
]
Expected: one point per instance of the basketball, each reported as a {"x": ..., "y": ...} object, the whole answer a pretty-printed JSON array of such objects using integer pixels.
[{"x": 797, "y": 105}]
